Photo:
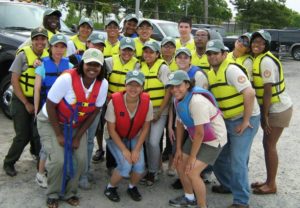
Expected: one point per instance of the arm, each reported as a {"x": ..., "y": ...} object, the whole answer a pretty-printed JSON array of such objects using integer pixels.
[
  {"x": 37, "y": 92},
  {"x": 170, "y": 124},
  {"x": 197, "y": 141},
  {"x": 111, "y": 127},
  {"x": 249, "y": 96},
  {"x": 19, "y": 93},
  {"x": 266, "y": 106}
]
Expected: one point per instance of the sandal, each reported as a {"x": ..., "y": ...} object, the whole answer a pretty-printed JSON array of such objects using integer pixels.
[
  {"x": 52, "y": 203},
  {"x": 260, "y": 191},
  {"x": 73, "y": 201},
  {"x": 257, "y": 184}
]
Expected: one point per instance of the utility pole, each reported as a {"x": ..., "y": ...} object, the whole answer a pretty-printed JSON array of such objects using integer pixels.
[
  {"x": 205, "y": 11},
  {"x": 137, "y": 8}
]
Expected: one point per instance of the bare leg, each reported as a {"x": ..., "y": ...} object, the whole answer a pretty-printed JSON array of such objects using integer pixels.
[
  {"x": 135, "y": 178},
  {"x": 115, "y": 178},
  {"x": 186, "y": 183}
]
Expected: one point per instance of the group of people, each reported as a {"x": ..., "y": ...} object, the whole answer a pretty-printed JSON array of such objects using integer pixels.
[{"x": 128, "y": 89}]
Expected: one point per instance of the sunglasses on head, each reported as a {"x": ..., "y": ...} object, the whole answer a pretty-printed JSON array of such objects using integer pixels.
[{"x": 244, "y": 42}]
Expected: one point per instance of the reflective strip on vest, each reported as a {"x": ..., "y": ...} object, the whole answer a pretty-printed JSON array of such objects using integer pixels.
[
  {"x": 28, "y": 76},
  {"x": 153, "y": 85},
  {"x": 258, "y": 85},
  {"x": 118, "y": 74}
]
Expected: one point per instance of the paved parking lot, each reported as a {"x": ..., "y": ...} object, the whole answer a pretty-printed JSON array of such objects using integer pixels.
[{"x": 22, "y": 191}]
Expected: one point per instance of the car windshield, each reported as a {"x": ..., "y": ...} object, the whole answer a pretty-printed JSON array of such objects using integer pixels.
[
  {"x": 28, "y": 17},
  {"x": 169, "y": 28}
]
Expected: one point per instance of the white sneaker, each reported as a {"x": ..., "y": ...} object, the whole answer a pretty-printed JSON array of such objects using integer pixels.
[
  {"x": 207, "y": 177},
  {"x": 41, "y": 180}
]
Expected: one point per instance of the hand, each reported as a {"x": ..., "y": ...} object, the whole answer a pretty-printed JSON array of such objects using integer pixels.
[
  {"x": 266, "y": 126},
  {"x": 127, "y": 156},
  {"x": 239, "y": 129},
  {"x": 171, "y": 135},
  {"x": 190, "y": 164},
  {"x": 29, "y": 107},
  {"x": 61, "y": 140},
  {"x": 37, "y": 63},
  {"x": 135, "y": 155},
  {"x": 75, "y": 143},
  {"x": 156, "y": 116},
  {"x": 177, "y": 158}
]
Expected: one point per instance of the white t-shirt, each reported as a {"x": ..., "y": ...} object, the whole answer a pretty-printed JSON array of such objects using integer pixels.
[
  {"x": 62, "y": 88},
  {"x": 236, "y": 77},
  {"x": 201, "y": 80},
  {"x": 201, "y": 110},
  {"x": 270, "y": 74},
  {"x": 248, "y": 64}
]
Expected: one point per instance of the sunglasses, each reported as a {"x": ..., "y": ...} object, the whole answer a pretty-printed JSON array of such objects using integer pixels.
[{"x": 244, "y": 42}]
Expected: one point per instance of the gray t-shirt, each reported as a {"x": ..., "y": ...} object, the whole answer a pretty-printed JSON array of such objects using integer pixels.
[{"x": 20, "y": 64}]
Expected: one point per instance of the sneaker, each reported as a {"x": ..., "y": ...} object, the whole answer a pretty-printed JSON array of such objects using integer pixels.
[
  {"x": 134, "y": 194},
  {"x": 112, "y": 194},
  {"x": 84, "y": 184},
  {"x": 41, "y": 180},
  {"x": 177, "y": 184},
  {"x": 206, "y": 177},
  {"x": 10, "y": 170},
  {"x": 182, "y": 201},
  {"x": 171, "y": 172},
  {"x": 151, "y": 178},
  {"x": 98, "y": 156}
]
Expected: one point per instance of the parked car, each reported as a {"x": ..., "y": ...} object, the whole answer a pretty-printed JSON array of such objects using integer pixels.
[
  {"x": 161, "y": 29},
  {"x": 17, "y": 19}
]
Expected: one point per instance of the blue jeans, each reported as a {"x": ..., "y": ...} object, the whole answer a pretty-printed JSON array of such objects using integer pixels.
[
  {"x": 123, "y": 166},
  {"x": 231, "y": 167}
]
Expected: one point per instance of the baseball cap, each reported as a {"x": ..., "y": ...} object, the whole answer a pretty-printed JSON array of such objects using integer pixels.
[
  {"x": 131, "y": 17},
  {"x": 127, "y": 42},
  {"x": 108, "y": 21},
  {"x": 58, "y": 38},
  {"x": 93, "y": 55},
  {"x": 183, "y": 50},
  {"x": 96, "y": 37},
  {"x": 141, "y": 21},
  {"x": 168, "y": 40},
  {"x": 264, "y": 34},
  {"x": 87, "y": 21},
  {"x": 177, "y": 77},
  {"x": 39, "y": 31},
  {"x": 153, "y": 45},
  {"x": 247, "y": 35},
  {"x": 51, "y": 11},
  {"x": 135, "y": 75},
  {"x": 215, "y": 46}
]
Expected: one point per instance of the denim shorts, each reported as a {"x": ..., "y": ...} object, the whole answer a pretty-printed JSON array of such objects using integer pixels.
[{"x": 123, "y": 166}]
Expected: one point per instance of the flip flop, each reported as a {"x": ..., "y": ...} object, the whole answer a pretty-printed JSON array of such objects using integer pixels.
[
  {"x": 259, "y": 191},
  {"x": 73, "y": 201},
  {"x": 257, "y": 184}
]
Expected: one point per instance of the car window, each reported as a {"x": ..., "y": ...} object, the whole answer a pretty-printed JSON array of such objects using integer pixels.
[{"x": 170, "y": 29}]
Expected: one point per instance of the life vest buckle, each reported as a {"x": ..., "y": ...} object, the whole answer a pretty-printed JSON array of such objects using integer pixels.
[
  {"x": 85, "y": 104},
  {"x": 81, "y": 113}
]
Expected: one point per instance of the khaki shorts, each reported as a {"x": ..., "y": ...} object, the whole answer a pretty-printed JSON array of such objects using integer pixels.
[
  {"x": 207, "y": 154},
  {"x": 281, "y": 119}
]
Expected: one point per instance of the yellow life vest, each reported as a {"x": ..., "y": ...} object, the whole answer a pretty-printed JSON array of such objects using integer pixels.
[
  {"x": 230, "y": 101},
  {"x": 110, "y": 50},
  {"x": 118, "y": 74},
  {"x": 153, "y": 85},
  {"x": 240, "y": 60},
  {"x": 28, "y": 76},
  {"x": 78, "y": 44},
  {"x": 190, "y": 44},
  {"x": 172, "y": 65},
  {"x": 201, "y": 62},
  {"x": 139, "y": 47},
  {"x": 258, "y": 85}
]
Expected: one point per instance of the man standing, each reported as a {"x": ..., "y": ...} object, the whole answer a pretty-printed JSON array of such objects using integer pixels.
[
  {"x": 22, "y": 108},
  {"x": 236, "y": 98},
  {"x": 185, "y": 29}
]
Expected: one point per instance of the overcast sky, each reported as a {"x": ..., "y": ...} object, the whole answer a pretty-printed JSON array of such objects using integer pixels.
[{"x": 292, "y": 4}]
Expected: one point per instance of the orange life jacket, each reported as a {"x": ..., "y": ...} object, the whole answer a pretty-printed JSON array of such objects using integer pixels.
[
  {"x": 77, "y": 112},
  {"x": 126, "y": 127}
]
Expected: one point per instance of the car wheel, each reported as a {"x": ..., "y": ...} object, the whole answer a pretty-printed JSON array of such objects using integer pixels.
[
  {"x": 6, "y": 92},
  {"x": 296, "y": 53}
]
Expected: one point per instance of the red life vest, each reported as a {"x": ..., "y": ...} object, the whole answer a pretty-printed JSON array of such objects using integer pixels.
[
  {"x": 127, "y": 128},
  {"x": 77, "y": 112}
]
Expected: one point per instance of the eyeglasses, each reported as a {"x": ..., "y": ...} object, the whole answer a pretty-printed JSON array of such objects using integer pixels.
[
  {"x": 145, "y": 28},
  {"x": 200, "y": 36},
  {"x": 244, "y": 42},
  {"x": 112, "y": 27},
  {"x": 169, "y": 46}
]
